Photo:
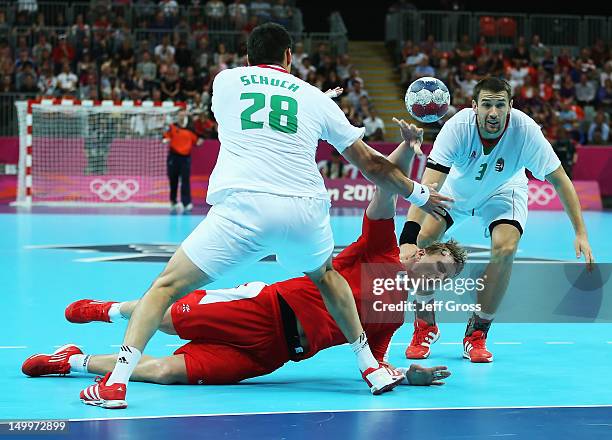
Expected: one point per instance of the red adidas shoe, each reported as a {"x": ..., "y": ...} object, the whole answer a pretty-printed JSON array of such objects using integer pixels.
[
  {"x": 424, "y": 335},
  {"x": 105, "y": 396},
  {"x": 55, "y": 363},
  {"x": 88, "y": 310},
  {"x": 382, "y": 379},
  {"x": 475, "y": 349}
]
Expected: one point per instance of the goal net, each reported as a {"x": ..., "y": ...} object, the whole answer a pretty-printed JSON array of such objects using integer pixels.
[{"x": 89, "y": 153}]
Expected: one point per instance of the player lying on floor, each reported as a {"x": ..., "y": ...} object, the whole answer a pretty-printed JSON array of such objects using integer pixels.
[{"x": 254, "y": 329}]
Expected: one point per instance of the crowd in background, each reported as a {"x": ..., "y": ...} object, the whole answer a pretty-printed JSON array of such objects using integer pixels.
[{"x": 570, "y": 97}]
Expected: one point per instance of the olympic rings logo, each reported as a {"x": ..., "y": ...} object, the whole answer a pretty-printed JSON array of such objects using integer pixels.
[
  {"x": 108, "y": 190},
  {"x": 541, "y": 194}
]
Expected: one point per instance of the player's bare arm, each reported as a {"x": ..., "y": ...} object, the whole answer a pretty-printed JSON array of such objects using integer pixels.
[
  {"x": 390, "y": 177},
  {"x": 567, "y": 193},
  {"x": 382, "y": 205}
]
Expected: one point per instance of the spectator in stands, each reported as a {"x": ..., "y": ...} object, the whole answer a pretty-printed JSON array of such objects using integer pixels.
[
  {"x": 467, "y": 83},
  {"x": 357, "y": 93},
  {"x": 47, "y": 83},
  {"x": 464, "y": 51},
  {"x": 204, "y": 126},
  {"x": 606, "y": 73},
  {"x": 565, "y": 148},
  {"x": 334, "y": 167},
  {"x": 444, "y": 72},
  {"x": 585, "y": 64},
  {"x": 238, "y": 14},
  {"x": 482, "y": 49},
  {"x": 282, "y": 13},
  {"x": 520, "y": 52},
  {"x": 215, "y": 10},
  {"x": 28, "y": 84},
  {"x": 585, "y": 90},
  {"x": 251, "y": 24},
  {"x": 6, "y": 86},
  {"x": 262, "y": 10},
  {"x": 537, "y": 50},
  {"x": 306, "y": 68},
  {"x": 39, "y": 47},
  {"x": 343, "y": 67},
  {"x": 548, "y": 62},
  {"x": 202, "y": 55},
  {"x": 147, "y": 69},
  {"x": 569, "y": 118},
  {"x": 67, "y": 81},
  {"x": 170, "y": 9},
  {"x": 26, "y": 69},
  {"x": 134, "y": 87},
  {"x": 429, "y": 45},
  {"x": 374, "y": 126},
  {"x": 127, "y": 56},
  {"x": 407, "y": 68},
  {"x": 164, "y": 51},
  {"x": 568, "y": 89},
  {"x": 599, "y": 124},
  {"x": 298, "y": 55},
  {"x": 183, "y": 55},
  {"x": 170, "y": 84},
  {"x": 87, "y": 85},
  {"x": 79, "y": 29},
  {"x": 190, "y": 85},
  {"x": 181, "y": 139},
  {"x": 604, "y": 96},
  {"x": 350, "y": 112},
  {"x": 423, "y": 69}
]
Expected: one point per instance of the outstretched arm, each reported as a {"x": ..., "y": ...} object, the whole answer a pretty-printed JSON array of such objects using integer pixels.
[
  {"x": 382, "y": 205},
  {"x": 389, "y": 177},
  {"x": 567, "y": 193}
]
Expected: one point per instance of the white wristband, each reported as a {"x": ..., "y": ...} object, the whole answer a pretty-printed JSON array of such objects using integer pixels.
[{"x": 420, "y": 194}]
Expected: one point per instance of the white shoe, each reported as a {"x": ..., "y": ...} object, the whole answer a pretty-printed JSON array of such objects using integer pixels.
[
  {"x": 189, "y": 207},
  {"x": 382, "y": 379},
  {"x": 176, "y": 207}
]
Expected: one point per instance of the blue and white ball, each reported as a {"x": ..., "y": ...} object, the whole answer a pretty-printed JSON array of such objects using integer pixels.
[{"x": 427, "y": 99}]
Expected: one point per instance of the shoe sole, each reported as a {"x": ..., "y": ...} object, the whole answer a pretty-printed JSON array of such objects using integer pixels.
[
  {"x": 63, "y": 347},
  {"x": 478, "y": 361},
  {"x": 388, "y": 387},
  {"x": 426, "y": 355},
  {"x": 108, "y": 404}
]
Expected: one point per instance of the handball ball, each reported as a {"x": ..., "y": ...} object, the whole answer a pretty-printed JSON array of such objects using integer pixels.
[{"x": 427, "y": 99}]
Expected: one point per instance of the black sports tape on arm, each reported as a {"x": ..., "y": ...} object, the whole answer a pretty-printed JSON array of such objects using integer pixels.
[
  {"x": 410, "y": 232},
  {"x": 437, "y": 167}
]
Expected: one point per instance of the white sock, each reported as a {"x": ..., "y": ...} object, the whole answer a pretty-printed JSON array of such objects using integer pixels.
[
  {"x": 78, "y": 363},
  {"x": 365, "y": 358},
  {"x": 114, "y": 313},
  {"x": 126, "y": 364},
  {"x": 483, "y": 315}
]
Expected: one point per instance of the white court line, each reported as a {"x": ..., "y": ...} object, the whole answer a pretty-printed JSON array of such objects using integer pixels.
[
  {"x": 8, "y": 347},
  {"x": 339, "y": 411},
  {"x": 174, "y": 345},
  {"x": 559, "y": 342}
]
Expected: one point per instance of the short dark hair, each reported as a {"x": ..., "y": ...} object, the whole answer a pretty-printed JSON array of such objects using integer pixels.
[
  {"x": 492, "y": 84},
  {"x": 267, "y": 44},
  {"x": 452, "y": 248}
]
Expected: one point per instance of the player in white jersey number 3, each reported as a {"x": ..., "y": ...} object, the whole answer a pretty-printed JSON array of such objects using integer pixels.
[
  {"x": 479, "y": 159},
  {"x": 268, "y": 197}
]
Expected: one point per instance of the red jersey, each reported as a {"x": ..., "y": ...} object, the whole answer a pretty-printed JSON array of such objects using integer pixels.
[{"x": 377, "y": 244}]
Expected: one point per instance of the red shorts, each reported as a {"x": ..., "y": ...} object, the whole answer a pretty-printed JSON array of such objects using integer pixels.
[{"x": 235, "y": 333}]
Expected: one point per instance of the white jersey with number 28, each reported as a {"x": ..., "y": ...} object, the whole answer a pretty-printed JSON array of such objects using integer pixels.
[{"x": 270, "y": 123}]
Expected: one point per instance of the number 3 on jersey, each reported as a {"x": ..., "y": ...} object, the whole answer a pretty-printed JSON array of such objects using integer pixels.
[
  {"x": 483, "y": 168},
  {"x": 280, "y": 106}
]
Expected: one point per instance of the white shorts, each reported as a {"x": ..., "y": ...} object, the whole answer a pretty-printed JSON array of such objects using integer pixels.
[
  {"x": 509, "y": 203},
  {"x": 248, "y": 226}
]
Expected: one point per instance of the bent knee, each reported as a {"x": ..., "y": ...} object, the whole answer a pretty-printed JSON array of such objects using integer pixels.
[{"x": 164, "y": 372}]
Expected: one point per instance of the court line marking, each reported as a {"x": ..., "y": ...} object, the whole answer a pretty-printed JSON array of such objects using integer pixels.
[
  {"x": 340, "y": 411},
  {"x": 13, "y": 346}
]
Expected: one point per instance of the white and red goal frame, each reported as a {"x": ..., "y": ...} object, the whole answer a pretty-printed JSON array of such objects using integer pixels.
[{"x": 26, "y": 188}]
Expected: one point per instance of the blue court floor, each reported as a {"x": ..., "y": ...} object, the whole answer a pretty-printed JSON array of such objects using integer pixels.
[{"x": 550, "y": 378}]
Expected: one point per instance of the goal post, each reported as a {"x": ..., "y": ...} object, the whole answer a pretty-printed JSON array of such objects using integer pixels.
[{"x": 93, "y": 153}]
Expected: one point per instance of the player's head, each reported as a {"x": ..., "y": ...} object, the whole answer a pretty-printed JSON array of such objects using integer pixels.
[
  {"x": 182, "y": 118},
  {"x": 440, "y": 260},
  {"x": 492, "y": 102},
  {"x": 269, "y": 43}
]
